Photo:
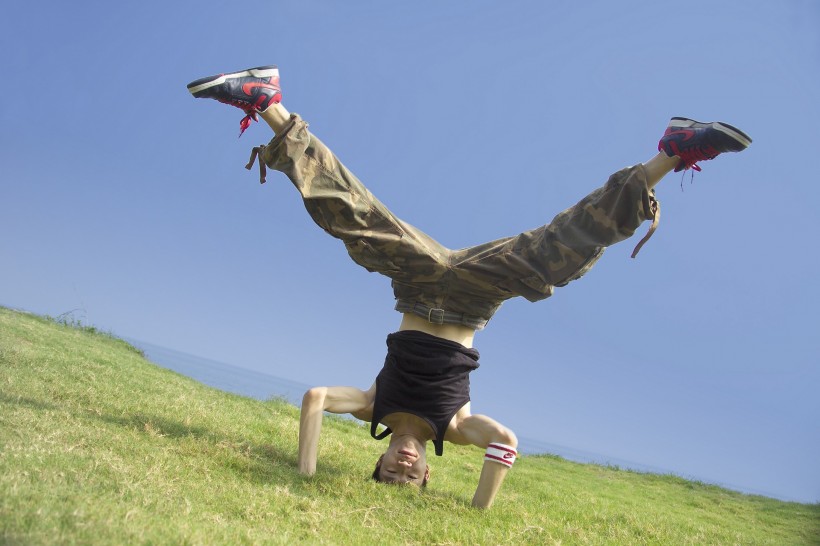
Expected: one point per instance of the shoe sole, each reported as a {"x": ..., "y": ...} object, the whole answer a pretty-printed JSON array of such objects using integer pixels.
[
  {"x": 202, "y": 84},
  {"x": 733, "y": 132}
]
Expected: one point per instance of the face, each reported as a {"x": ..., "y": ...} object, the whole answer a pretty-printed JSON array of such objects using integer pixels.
[{"x": 403, "y": 465}]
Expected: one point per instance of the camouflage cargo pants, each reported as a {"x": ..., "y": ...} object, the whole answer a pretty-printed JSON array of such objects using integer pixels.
[{"x": 463, "y": 286}]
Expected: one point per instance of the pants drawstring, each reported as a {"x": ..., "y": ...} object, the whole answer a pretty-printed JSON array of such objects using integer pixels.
[
  {"x": 655, "y": 206},
  {"x": 255, "y": 153}
]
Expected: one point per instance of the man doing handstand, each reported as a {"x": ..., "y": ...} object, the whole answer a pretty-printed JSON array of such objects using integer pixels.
[{"x": 422, "y": 392}]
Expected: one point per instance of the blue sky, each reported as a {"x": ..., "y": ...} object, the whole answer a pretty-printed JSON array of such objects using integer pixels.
[{"x": 124, "y": 201}]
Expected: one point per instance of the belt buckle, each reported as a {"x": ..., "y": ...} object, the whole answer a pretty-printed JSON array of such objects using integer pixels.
[{"x": 435, "y": 316}]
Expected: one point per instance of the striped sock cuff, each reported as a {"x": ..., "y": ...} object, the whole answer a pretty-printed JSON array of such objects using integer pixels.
[{"x": 500, "y": 453}]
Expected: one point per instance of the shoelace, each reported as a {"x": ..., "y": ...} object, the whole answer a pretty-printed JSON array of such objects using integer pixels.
[
  {"x": 246, "y": 121},
  {"x": 255, "y": 153},
  {"x": 250, "y": 115},
  {"x": 689, "y": 158}
]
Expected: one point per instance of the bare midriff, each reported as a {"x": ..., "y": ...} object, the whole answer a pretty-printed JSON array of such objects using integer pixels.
[{"x": 452, "y": 332}]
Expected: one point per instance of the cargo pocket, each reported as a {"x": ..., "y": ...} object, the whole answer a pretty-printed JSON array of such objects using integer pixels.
[
  {"x": 585, "y": 266},
  {"x": 372, "y": 259},
  {"x": 542, "y": 288}
]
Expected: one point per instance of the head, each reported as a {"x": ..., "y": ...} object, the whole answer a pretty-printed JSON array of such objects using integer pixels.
[{"x": 402, "y": 466}]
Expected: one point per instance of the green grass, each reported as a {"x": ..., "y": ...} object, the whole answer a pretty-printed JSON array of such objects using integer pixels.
[{"x": 99, "y": 446}]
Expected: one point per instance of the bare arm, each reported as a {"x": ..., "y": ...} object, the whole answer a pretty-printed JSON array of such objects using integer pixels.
[
  {"x": 318, "y": 400},
  {"x": 480, "y": 430}
]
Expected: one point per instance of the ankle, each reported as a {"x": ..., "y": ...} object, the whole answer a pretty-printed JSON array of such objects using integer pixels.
[
  {"x": 277, "y": 117},
  {"x": 658, "y": 167}
]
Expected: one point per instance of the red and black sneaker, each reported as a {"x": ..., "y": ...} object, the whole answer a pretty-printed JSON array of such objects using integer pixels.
[
  {"x": 693, "y": 141},
  {"x": 252, "y": 90}
]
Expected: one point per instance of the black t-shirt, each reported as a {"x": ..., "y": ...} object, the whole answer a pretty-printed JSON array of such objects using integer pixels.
[{"x": 425, "y": 376}]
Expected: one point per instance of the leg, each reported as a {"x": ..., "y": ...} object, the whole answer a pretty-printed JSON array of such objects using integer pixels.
[
  {"x": 659, "y": 166},
  {"x": 532, "y": 263},
  {"x": 277, "y": 118},
  {"x": 336, "y": 200},
  {"x": 341, "y": 205}
]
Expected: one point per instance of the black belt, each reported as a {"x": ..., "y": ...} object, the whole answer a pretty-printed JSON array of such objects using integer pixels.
[{"x": 435, "y": 315}]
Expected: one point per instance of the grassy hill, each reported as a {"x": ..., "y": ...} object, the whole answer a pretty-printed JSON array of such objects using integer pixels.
[{"x": 100, "y": 446}]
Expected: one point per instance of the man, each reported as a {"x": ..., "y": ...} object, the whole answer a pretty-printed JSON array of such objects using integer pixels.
[{"x": 445, "y": 296}]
